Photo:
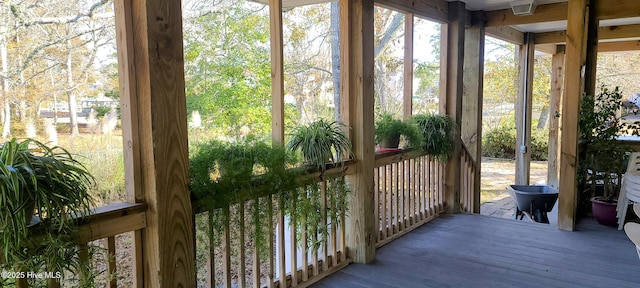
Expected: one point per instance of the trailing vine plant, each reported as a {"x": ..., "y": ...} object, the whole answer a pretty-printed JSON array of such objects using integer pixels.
[{"x": 322, "y": 144}]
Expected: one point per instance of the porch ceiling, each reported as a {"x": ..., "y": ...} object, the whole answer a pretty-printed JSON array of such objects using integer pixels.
[{"x": 488, "y": 5}]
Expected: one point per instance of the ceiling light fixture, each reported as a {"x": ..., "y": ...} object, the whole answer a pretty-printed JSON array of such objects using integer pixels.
[{"x": 524, "y": 7}]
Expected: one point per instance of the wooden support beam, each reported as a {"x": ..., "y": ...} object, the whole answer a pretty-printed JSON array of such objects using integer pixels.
[
  {"x": 453, "y": 103},
  {"x": 506, "y": 33},
  {"x": 557, "y": 80},
  {"x": 357, "y": 104},
  {"x": 277, "y": 72},
  {"x": 608, "y": 9},
  {"x": 154, "y": 121},
  {"x": 621, "y": 46},
  {"x": 471, "y": 130},
  {"x": 434, "y": 10},
  {"x": 444, "y": 55},
  {"x": 604, "y": 33},
  {"x": 543, "y": 13},
  {"x": 523, "y": 111},
  {"x": 614, "y": 9},
  {"x": 578, "y": 68},
  {"x": 407, "y": 107},
  {"x": 546, "y": 48}
]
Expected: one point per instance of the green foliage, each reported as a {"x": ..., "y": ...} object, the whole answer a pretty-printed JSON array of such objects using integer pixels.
[
  {"x": 261, "y": 180},
  {"x": 227, "y": 69},
  {"x": 225, "y": 173},
  {"x": 48, "y": 182},
  {"x": 602, "y": 156},
  {"x": 438, "y": 132},
  {"x": 321, "y": 142},
  {"x": 500, "y": 142},
  {"x": 388, "y": 128}
]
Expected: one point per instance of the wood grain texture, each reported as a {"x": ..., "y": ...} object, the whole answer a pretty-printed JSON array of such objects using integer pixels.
[
  {"x": 573, "y": 89},
  {"x": 444, "y": 56},
  {"x": 356, "y": 54},
  {"x": 472, "y": 103},
  {"x": 621, "y": 46},
  {"x": 454, "y": 92},
  {"x": 154, "y": 54},
  {"x": 523, "y": 111},
  {"x": 128, "y": 99},
  {"x": 480, "y": 251},
  {"x": 407, "y": 107},
  {"x": 604, "y": 33},
  {"x": 612, "y": 9},
  {"x": 277, "y": 72},
  {"x": 434, "y": 10},
  {"x": 557, "y": 82},
  {"x": 506, "y": 33}
]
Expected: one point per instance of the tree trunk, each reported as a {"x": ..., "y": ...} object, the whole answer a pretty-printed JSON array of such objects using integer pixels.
[
  {"x": 73, "y": 116},
  {"x": 335, "y": 56},
  {"x": 6, "y": 107}
]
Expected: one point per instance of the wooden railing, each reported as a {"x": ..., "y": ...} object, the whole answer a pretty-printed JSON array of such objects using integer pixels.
[
  {"x": 409, "y": 189},
  {"x": 229, "y": 252},
  {"x": 467, "y": 181},
  {"x": 101, "y": 228}
]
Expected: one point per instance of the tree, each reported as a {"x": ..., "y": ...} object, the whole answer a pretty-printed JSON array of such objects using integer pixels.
[
  {"x": 30, "y": 33},
  {"x": 227, "y": 67}
]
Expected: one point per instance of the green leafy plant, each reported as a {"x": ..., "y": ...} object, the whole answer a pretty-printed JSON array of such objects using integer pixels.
[
  {"x": 602, "y": 157},
  {"x": 389, "y": 130},
  {"x": 500, "y": 142},
  {"x": 49, "y": 183},
  {"x": 321, "y": 142},
  {"x": 225, "y": 173},
  {"x": 257, "y": 175},
  {"x": 438, "y": 132}
]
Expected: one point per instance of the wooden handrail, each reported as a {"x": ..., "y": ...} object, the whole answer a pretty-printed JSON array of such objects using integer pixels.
[
  {"x": 308, "y": 175},
  {"x": 111, "y": 220},
  {"x": 107, "y": 221},
  {"x": 385, "y": 158},
  {"x": 466, "y": 151}
]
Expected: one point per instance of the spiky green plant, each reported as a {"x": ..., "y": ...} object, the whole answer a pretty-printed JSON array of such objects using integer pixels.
[
  {"x": 321, "y": 142},
  {"x": 43, "y": 181},
  {"x": 438, "y": 132}
]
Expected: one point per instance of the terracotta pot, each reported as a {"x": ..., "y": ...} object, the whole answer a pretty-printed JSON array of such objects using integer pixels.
[{"x": 604, "y": 210}]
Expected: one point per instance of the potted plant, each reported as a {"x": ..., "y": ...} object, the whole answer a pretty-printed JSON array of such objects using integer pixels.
[
  {"x": 224, "y": 173},
  {"x": 602, "y": 156},
  {"x": 49, "y": 183},
  {"x": 320, "y": 143},
  {"x": 389, "y": 130},
  {"x": 438, "y": 132}
]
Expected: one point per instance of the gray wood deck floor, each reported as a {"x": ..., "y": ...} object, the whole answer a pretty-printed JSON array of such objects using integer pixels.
[{"x": 482, "y": 251}]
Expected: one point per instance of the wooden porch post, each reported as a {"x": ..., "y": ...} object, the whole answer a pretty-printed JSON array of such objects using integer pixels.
[
  {"x": 472, "y": 99},
  {"x": 579, "y": 79},
  {"x": 357, "y": 105},
  {"x": 407, "y": 105},
  {"x": 154, "y": 125},
  {"x": 453, "y": 102},
  {"x": 523, "y": 111},
  {"x": 557, "y": 79},
  {"x": 277, "y": 72}
]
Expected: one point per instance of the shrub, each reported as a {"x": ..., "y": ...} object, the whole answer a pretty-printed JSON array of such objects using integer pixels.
[{"x": 501, "y": 143}]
